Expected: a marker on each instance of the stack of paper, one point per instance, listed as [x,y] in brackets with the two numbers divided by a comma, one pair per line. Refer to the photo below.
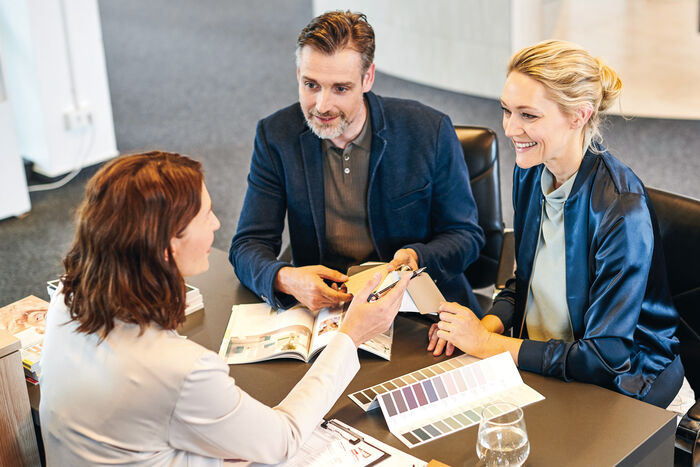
[193,298]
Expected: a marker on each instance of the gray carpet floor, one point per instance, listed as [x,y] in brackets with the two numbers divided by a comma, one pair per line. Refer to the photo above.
[195,77]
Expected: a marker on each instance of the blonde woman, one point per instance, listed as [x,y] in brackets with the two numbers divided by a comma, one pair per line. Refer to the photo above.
[589,301]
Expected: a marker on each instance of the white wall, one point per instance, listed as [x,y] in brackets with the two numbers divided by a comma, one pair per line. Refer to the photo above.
[465,45]
[14,198]
[460,45]
[55,64]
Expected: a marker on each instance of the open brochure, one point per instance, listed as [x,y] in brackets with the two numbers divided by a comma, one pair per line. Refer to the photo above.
[257,332]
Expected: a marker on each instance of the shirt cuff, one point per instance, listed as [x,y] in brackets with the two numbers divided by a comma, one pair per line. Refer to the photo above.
[275,298]
[345,345]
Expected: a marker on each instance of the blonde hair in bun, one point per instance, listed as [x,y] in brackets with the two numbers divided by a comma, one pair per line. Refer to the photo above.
[572,77]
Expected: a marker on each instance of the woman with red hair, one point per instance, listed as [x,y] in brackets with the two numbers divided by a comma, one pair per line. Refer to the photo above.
[119,385]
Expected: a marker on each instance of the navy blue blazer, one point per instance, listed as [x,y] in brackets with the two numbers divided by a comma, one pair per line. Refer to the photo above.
[419,197]
[616,288]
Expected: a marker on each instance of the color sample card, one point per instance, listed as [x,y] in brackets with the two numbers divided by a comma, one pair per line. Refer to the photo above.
[367,398]
[445,403]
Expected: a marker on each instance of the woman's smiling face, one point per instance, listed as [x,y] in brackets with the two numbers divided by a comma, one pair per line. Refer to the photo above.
[539,130]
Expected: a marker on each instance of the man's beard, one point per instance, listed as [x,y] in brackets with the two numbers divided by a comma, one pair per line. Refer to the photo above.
[327,131]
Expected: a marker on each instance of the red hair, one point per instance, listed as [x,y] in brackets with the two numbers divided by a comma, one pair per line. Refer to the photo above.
[118,267]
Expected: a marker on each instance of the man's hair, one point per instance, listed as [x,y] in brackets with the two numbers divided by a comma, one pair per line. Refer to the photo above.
[335,30]
[121,266]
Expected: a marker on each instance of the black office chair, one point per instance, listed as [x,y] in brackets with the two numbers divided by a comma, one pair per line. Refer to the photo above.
[679,224]
[495,263]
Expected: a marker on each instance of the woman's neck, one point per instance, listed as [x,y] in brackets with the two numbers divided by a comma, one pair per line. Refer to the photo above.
[563,168]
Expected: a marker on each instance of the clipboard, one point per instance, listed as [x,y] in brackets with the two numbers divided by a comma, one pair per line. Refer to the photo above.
[357,442]
[333,443]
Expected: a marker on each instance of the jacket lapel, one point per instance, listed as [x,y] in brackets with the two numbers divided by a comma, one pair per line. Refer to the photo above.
[312,159]
[376,112]
[576,230]
[374,189]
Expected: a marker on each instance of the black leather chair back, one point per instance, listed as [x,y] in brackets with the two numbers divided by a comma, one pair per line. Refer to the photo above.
[679,223]
[481,155]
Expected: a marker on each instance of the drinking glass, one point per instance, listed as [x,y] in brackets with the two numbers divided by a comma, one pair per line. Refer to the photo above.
[502,439]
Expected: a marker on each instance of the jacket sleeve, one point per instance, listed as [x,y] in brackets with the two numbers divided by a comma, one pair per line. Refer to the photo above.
[457,237]
[213,417]
[258,239]
[620,259]
[504,304]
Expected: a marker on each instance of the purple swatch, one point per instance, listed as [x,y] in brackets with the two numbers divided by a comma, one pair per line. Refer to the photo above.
[408,394]
[389,404]
[430,390]
[400,404]
[420,395]
[440,388]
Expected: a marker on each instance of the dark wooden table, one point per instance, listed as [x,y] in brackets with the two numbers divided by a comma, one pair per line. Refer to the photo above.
[576,424]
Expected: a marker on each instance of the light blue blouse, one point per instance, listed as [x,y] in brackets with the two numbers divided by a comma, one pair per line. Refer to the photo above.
[547,313]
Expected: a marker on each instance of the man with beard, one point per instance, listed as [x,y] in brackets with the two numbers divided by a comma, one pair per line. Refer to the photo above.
[360,177]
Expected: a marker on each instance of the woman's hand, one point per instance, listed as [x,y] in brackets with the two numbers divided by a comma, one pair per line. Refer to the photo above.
[437,345]
[364,319]
[459,326]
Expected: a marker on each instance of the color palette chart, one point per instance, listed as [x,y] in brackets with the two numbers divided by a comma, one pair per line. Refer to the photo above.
[453,400]
[367,398]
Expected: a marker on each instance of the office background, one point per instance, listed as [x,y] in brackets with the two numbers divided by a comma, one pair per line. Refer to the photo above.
[195,77]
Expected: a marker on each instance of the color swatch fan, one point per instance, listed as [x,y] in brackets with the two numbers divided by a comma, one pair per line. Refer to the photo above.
[451,400]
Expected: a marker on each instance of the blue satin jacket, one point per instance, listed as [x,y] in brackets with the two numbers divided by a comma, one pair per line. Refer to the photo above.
[616,288]
[418,197]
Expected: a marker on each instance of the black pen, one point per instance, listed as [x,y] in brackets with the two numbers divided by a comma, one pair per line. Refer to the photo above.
[376,295]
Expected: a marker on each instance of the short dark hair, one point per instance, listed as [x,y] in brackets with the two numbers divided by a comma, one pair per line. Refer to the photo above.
[335,30]
[117,268]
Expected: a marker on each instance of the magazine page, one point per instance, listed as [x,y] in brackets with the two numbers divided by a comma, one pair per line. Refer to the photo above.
[381,344]
[25,319]
[257,332]
[327,324]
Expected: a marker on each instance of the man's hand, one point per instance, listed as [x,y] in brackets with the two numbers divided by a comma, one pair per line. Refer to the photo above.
[405,256]
[364,320]
[307,285]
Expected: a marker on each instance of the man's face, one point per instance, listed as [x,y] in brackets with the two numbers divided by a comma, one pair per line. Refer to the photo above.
[331,91]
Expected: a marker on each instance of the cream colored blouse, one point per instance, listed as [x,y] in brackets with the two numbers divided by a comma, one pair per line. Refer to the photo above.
[160,399]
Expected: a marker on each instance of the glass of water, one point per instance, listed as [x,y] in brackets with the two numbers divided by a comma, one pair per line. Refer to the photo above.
[502,437]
